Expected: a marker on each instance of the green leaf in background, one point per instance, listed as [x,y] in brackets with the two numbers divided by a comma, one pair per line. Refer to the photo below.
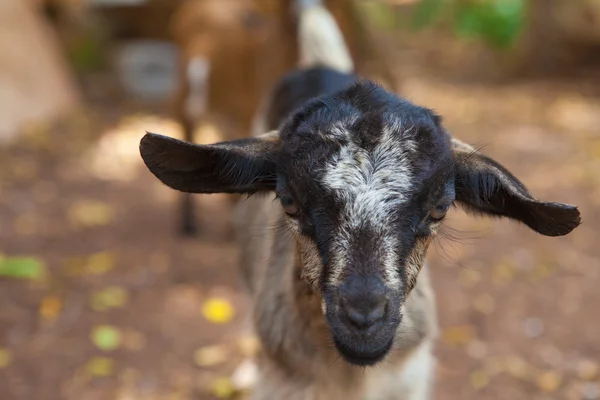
[106,337]
[469,20]
[425,12]
[382,15]
[22,267]
[499,22]
[86,53]
[505,19]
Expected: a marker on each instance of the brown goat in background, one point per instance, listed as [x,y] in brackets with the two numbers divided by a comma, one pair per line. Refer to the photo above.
[232,52]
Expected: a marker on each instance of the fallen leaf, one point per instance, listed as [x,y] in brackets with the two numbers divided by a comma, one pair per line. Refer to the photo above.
[542,271]
[518,368]
[100,366]
[210,355]
[100,263]
[459,335]
[217,310]
[5,358]
[22,267]
[479,380]
[50,307]
[549,381]
[111,297]
[106,337]
[504,272]
[90,213]
[222,388]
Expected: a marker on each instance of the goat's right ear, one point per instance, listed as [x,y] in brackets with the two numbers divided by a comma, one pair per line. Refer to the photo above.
[238,166]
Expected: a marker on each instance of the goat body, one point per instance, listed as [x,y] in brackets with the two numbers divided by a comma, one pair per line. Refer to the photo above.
[298,360]
[335,267]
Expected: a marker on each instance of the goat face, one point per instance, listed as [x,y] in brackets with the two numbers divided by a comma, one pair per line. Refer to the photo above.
[365,179]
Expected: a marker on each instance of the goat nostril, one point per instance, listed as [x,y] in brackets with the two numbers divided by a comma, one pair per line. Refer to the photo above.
[364,317]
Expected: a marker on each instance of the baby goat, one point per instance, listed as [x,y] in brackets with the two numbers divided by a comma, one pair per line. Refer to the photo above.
[363,180]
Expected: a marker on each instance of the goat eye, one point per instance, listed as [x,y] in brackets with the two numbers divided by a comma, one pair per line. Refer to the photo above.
[439,212]
[289,205]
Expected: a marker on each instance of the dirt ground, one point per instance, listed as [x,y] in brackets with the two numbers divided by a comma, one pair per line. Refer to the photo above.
[519,312]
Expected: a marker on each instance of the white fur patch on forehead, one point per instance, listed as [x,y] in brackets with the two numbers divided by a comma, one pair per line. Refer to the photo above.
[371,185]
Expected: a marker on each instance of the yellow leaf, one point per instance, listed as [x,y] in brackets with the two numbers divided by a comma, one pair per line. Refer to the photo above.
[111,297]
[542,271]
[210,355]
[222,388]
[459,335]
[50,307]
[100,366]
[549,381]
[518,368]
[100,263]
[5,358]
[217,310]
[479,380]
[89,213]
[504,272]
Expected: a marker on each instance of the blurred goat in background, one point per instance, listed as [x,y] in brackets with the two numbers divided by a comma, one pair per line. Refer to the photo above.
[232,52]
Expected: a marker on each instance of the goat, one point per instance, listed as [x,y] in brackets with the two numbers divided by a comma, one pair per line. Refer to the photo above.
[360,180]
[215,38]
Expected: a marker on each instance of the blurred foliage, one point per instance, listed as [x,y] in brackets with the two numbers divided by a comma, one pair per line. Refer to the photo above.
[21,267]
[497,22]
[85,53]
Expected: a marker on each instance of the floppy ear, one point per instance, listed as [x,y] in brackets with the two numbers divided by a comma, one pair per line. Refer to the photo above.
[485,186]
[239,166]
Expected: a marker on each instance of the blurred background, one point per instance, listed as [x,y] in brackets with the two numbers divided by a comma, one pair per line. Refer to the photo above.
[101,297]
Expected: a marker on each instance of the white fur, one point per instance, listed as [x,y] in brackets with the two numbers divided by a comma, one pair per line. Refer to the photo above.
[372,186]
[412,381]
[321,41]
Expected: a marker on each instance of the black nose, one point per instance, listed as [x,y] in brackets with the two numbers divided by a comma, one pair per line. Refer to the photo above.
[363,301]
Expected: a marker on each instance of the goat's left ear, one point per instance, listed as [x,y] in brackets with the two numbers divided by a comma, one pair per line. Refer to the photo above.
[485,186]
[238,166]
